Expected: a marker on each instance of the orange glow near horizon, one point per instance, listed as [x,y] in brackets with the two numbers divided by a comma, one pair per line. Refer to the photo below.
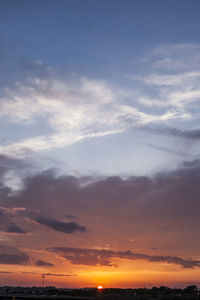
[127,275]
[106,279]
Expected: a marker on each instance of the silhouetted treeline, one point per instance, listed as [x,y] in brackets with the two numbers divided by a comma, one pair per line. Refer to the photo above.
[155,293]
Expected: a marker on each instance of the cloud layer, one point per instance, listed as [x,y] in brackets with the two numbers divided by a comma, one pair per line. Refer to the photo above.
[160,212]
[81,256]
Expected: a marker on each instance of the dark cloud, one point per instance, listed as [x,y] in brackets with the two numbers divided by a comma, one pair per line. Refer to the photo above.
[42,263]
[193,164]
[193,134]
[163,210]
[168,196]
[14,228]
[66,227]
[30,273]
[14,259]
[161,196]
[6,272]
[12,256]
[80,256]
[91,257]
[60,275]
[9,217]
[50,274]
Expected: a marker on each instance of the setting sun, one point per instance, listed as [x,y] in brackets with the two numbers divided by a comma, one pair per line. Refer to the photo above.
[99,287]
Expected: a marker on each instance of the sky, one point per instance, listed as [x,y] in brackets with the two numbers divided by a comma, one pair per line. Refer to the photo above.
[99,143]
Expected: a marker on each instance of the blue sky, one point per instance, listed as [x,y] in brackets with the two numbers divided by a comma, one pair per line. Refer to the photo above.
[93,36]
[108,53]
[99,118]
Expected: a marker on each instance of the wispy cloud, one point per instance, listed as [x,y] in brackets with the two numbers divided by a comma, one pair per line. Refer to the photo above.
[173,78]
[164,149]
[73,111]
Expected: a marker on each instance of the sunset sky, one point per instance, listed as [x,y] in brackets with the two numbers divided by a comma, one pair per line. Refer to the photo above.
[100,142]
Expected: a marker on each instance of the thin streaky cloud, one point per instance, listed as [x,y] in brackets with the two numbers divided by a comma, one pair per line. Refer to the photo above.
[164,149]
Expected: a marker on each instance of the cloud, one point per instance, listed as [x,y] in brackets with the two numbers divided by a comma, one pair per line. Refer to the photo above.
[162,209]
[161,196]
[12,173]
[66,227]
[176,57]
[6,272]
[184,139]
[7,164]
[13,259]
[42,263]
[50,274]
[36,67]
[75,109]
[14,228]
[173,79]
[81,256]
[59,275]
[164,149]
[181,145]
[192,134]
[193,164]
[12,256]
[72,110]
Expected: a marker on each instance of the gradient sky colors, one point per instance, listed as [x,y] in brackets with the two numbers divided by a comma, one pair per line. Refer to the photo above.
[99,142]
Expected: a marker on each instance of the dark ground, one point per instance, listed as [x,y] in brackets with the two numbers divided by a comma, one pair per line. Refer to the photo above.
[50,293]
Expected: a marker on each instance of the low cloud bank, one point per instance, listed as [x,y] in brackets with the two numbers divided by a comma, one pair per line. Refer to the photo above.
[81,256]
